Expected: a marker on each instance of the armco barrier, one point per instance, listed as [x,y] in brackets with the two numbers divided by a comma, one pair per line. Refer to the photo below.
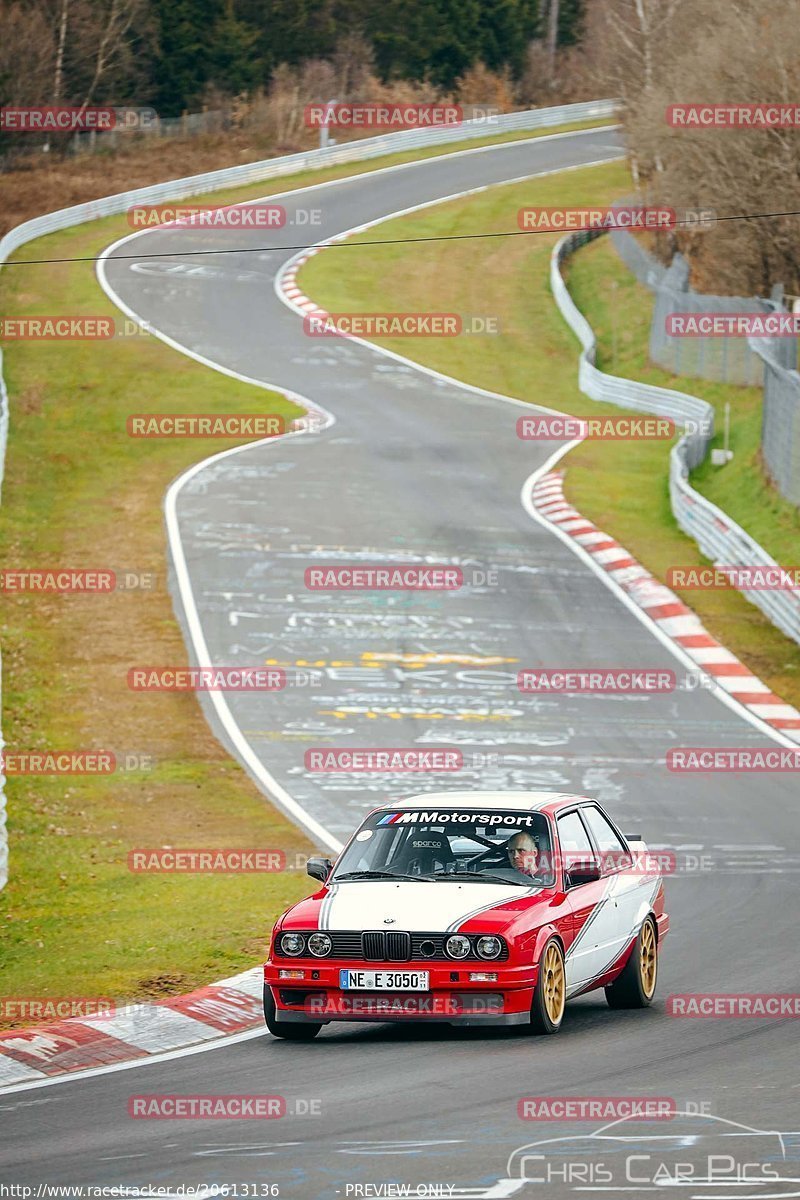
[271,168]
[719,538]
[307,160]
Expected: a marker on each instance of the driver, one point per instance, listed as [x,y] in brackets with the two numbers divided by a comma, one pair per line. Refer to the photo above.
[523,853]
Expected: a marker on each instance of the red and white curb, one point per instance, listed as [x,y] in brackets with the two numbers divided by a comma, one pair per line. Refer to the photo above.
[287,281]
[662,606]
[132,1032]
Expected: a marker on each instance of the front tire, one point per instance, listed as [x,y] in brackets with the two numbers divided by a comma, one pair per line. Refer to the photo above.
[550,993]
[291,1031]
[635,985]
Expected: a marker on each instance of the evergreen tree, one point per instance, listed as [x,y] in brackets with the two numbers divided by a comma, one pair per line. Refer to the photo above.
[233,61]
[236,44]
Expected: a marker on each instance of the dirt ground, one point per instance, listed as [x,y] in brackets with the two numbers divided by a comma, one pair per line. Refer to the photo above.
[42,183]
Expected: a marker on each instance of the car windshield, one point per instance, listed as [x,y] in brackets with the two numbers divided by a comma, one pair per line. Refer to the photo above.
[456,845]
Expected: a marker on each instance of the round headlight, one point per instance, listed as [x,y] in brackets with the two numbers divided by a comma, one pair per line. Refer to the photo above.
[458,946]
[489,947]
[293,943]
[319,944]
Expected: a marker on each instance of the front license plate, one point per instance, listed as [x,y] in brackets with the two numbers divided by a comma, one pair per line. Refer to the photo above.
[384,981]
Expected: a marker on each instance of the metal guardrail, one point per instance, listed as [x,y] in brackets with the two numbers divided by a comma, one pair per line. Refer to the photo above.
[271,168]
[718,536]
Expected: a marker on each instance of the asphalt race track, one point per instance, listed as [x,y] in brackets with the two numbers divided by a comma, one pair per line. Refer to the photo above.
[417,468]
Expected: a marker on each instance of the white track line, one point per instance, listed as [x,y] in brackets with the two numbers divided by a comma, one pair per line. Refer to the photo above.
[273,789]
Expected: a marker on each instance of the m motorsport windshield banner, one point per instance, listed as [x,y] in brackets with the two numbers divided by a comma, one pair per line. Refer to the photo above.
[507,820]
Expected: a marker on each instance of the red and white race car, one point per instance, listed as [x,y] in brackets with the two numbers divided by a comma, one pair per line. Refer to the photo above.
[471,907]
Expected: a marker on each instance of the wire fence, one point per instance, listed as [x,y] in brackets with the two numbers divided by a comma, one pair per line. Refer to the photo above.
[780,421]
[212,120]
[769,362]
[720,539]
[723,359]
[272,168]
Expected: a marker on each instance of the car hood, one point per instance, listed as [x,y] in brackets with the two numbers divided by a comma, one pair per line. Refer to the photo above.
[417,907]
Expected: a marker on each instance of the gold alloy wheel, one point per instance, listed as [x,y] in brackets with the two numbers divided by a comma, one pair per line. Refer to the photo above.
[554,989]
[647,959]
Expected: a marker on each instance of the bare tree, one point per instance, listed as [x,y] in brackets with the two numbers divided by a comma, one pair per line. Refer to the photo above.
[27,53]
[552,37]
[632,42]
[99,53]
[753,55]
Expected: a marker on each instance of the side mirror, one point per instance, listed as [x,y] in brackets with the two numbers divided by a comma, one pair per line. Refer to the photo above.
[586,872]
[319,868]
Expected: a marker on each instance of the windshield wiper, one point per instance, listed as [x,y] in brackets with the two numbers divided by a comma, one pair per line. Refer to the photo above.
[378,875]
[483,876]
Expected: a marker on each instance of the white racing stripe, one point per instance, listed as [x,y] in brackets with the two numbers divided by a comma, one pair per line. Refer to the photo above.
[419,907]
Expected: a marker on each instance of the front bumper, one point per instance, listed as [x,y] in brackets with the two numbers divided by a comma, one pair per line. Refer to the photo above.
[452,996]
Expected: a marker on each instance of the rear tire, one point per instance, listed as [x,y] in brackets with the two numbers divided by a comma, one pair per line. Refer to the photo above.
[550,993]
[291,1031]
[635,985]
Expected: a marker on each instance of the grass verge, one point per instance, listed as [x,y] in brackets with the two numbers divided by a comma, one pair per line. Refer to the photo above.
[80,493]
[620,486]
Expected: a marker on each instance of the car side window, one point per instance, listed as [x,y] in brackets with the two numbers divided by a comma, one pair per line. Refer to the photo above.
[613,855]
[576,848]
